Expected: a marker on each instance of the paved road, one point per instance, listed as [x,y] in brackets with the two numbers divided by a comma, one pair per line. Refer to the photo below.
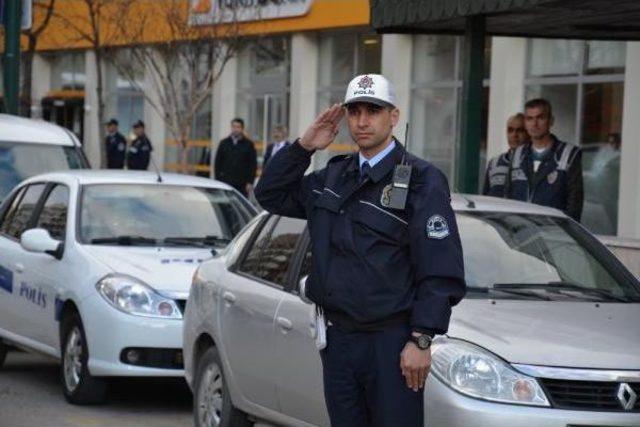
[31,396]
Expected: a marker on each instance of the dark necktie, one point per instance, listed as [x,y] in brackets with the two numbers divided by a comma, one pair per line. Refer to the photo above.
[364,171]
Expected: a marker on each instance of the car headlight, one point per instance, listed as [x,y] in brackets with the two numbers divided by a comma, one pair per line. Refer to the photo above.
[132,296]
[478,373]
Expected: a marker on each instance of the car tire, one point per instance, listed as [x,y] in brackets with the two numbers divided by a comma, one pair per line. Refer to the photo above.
[212,406]
[4,349]
[78,385]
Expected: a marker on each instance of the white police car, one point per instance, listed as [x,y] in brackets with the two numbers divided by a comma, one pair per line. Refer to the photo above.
[95,268]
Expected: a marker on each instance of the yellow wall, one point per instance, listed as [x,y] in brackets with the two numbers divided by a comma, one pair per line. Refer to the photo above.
[64,34]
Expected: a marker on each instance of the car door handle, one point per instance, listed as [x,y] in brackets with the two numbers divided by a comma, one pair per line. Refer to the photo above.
[229,297]
[284,323]
[19,267]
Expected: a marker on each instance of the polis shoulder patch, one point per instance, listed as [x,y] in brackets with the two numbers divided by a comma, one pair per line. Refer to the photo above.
[437,227]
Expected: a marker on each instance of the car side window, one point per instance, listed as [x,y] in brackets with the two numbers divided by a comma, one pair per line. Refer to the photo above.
[305,268]
[53,216]
[19,221]
[272,253]
[10,211]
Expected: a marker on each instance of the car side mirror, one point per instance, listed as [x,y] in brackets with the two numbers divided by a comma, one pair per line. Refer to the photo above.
[302,290]
[39,240]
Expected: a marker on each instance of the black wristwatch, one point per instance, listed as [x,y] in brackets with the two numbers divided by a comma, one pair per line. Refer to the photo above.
[423,341]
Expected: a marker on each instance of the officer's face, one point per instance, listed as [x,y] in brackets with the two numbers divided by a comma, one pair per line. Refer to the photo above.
[112,128]
[516,134]
[371,125]
[139,131]
[537,122]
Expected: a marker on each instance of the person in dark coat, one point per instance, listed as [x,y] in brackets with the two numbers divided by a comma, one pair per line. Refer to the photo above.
[545,170]
[116,146]
[279,141]
[139,153]
[236,160]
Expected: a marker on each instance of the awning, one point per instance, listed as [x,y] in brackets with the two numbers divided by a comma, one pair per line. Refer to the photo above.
[575,19]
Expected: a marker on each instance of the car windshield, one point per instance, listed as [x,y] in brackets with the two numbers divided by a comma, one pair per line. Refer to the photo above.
[510,255]
[19,161]
[160,215]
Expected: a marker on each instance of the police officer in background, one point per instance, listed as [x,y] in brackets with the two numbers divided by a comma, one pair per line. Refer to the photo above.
[116,146]
[498,167]
[387,260]
[545,170]
[139,153]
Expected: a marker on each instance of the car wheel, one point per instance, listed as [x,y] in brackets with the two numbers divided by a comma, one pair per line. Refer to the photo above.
[78,385]
[4,349]
[212,406]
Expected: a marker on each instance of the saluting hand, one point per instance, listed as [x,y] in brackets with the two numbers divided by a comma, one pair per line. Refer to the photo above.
[415,365]
[324,129]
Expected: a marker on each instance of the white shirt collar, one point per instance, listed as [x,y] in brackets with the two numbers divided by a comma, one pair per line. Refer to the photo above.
[378,157]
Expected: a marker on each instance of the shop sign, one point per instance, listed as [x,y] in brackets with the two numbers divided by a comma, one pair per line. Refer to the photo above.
[207,12]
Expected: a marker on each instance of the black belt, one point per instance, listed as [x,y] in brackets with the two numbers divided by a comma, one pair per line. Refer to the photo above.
[348,323]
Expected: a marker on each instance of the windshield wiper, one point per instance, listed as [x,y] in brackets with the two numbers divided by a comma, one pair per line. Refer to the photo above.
[562,286]
[215,240]
[523,293]
[125,240]
[184,241]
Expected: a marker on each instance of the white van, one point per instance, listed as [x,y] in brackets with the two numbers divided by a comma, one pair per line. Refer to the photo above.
[30,147]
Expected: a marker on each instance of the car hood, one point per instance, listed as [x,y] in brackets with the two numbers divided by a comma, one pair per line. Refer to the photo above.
[552,333]
[164,269]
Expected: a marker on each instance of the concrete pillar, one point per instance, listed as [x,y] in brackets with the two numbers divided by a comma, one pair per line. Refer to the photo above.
[91,143]
[223,108]
[304,82]
[396,66]
[508,62]
[629,199]
[40,83]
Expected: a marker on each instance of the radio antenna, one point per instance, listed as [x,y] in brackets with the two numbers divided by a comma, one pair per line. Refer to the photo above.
[406,142]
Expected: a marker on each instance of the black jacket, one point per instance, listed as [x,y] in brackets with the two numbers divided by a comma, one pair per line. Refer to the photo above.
[372,262]
[557,183]
[116,150]
[236,164]
[139,153]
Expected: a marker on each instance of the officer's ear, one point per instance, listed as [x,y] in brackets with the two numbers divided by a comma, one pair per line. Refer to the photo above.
[395,117]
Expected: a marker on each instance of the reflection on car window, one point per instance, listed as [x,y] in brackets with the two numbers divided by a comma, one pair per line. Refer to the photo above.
[53,216]
[305,269]
[10,210]
[272,252]
[17,224]
[160,213]
[533,250]
[19,161]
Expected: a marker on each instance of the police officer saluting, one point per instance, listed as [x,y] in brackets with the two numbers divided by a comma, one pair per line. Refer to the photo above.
[139,153]
[387,258]
[545,170]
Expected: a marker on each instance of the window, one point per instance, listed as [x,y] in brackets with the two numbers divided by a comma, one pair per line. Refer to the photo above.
[343,55]
[264,74]
[436,90]
[10,210]
[53,216]
[68,71]
[584,81]
[305,268]
[272,252]
[16,222]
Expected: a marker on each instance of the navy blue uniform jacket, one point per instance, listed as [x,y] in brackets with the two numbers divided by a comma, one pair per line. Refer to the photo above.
[371,262]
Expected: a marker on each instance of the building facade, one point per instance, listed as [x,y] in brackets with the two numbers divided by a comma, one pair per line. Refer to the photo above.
[300,64]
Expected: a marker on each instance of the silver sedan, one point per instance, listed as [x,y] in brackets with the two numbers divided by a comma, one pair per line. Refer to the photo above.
[547,335]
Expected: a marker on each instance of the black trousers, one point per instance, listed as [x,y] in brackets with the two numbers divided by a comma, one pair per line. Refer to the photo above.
[363,382]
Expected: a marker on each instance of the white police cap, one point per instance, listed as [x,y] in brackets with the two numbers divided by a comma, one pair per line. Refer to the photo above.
[372,89]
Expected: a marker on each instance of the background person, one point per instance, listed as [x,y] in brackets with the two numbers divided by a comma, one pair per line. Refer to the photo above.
[498,167]
[139,153]
[236,160]
[116,146]
[279,141]
[545,170]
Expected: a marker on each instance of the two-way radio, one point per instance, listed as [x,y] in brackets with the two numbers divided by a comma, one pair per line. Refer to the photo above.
[401,179]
